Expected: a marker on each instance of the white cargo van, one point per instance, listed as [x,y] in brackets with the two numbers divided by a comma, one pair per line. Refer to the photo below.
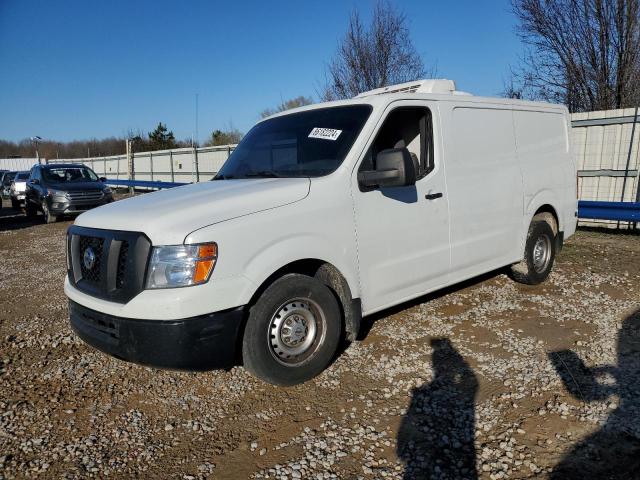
[322,215]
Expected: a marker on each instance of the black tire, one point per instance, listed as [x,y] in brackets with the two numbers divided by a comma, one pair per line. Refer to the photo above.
[48,217]
[294,308]
[539,255]
[30,210]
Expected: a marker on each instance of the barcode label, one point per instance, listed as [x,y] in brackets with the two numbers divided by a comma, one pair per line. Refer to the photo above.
[325,133]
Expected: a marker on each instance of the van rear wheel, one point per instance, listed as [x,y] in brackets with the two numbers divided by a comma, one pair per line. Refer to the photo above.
[539,255]
[293,331]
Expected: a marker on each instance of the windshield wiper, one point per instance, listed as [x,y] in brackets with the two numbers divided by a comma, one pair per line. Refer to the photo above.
[224,177]
[263,173]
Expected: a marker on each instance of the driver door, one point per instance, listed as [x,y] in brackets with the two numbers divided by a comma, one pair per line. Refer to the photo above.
[403,232]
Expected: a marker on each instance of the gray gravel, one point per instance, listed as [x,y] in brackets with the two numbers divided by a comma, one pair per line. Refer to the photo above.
[491,380]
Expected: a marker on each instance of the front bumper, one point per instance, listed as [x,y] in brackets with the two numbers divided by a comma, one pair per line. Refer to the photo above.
[63,206]
[197,343]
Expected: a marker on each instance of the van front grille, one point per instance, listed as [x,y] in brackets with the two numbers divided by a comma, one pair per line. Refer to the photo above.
[122,264]
[91,258]
[107,264]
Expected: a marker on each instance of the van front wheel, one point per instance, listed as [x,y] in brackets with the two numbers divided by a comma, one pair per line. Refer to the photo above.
[539,254]
[292,332]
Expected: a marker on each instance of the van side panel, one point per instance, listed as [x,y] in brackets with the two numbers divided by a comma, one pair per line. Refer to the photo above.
[485,190]
[547,167]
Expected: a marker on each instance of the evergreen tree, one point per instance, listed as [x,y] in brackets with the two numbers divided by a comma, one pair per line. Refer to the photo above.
[225,137]
[162,138]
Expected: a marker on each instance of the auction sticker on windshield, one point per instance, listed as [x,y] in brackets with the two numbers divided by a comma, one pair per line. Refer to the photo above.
[325,133]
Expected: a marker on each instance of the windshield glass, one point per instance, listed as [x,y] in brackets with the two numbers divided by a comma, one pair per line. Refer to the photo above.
[68,175]
[21,176]
[8,177]
[306,144]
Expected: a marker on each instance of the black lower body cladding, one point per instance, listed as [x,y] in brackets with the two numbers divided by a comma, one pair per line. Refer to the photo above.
[198,343]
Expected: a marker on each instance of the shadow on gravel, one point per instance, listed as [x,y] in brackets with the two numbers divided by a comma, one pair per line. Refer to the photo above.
[614,450]
[13,219]
[369,320]
[611,231]
[436,436]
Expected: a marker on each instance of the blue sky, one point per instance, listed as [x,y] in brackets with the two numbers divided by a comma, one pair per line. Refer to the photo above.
[82,69]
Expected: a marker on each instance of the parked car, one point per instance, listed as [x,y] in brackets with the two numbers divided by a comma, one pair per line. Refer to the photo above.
[5,183]
[64,189]
[17,189]
[322,215]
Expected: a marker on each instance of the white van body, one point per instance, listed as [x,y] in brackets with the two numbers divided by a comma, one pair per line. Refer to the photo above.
[495,164]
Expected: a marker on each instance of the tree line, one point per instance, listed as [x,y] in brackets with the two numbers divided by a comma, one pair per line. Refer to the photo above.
[583,53]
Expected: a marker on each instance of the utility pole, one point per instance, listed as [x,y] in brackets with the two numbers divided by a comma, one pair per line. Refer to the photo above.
[130,165]
[35,140]
[197,144]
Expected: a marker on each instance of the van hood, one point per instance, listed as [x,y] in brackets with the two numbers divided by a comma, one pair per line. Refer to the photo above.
[168,216]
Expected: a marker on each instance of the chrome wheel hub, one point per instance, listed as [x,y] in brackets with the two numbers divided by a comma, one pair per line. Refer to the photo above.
[541,254]
[295,331]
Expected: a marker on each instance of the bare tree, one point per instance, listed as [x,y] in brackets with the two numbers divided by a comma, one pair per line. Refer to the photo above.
[584,53]
[287,105]
[511,89]
[373,57]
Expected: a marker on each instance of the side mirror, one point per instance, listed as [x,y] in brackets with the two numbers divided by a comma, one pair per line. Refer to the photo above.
[394,168]
[103,179]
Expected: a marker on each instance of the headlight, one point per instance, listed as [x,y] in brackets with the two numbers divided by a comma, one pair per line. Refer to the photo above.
[56,193]
[181,265]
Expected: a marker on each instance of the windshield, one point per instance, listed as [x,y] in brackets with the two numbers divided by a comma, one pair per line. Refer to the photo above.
[306,144]
[8,177]
[21,176]
[68,175]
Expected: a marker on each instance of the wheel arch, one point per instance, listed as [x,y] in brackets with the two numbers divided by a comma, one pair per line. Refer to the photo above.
[330,276]
[544,201]
[545,210]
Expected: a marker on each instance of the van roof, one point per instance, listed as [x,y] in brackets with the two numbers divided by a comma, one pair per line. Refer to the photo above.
[432,89]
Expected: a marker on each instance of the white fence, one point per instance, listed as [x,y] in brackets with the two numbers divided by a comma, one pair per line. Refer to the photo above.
[606,145]
[179,165]
[17,164]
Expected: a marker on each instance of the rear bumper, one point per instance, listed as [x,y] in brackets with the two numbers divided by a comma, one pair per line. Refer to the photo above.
[197,343]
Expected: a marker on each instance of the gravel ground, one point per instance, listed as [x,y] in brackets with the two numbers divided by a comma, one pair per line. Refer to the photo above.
[490,379]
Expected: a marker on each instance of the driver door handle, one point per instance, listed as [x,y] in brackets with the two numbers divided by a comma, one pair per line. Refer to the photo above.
[433,196]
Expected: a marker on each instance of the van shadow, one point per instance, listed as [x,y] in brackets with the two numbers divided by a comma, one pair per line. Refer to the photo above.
[436,436]
[614,450]
[367,322]
[13,219]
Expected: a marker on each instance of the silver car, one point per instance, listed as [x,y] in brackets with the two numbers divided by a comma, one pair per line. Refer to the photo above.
[17,189]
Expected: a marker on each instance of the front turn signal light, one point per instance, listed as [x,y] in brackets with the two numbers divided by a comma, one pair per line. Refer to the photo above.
[207,256]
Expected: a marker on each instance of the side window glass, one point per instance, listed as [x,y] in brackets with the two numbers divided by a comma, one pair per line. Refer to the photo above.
[405,127]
